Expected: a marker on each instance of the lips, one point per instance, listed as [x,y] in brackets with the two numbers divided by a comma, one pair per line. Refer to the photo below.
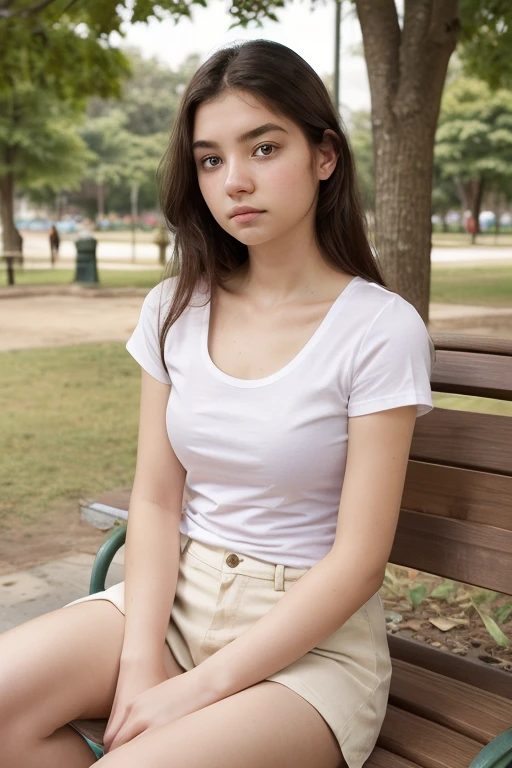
[241,217]
[240,210]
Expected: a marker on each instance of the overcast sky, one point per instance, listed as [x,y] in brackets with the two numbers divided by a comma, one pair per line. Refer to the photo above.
[309,32]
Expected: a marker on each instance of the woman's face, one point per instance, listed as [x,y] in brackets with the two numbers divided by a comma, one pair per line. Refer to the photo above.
[248,156]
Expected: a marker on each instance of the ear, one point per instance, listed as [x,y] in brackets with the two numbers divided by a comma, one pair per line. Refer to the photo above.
[327,154]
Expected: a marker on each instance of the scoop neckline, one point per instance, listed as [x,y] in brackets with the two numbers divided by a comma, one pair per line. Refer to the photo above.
[299,357]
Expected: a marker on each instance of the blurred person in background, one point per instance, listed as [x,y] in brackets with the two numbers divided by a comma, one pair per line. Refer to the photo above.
[54,244]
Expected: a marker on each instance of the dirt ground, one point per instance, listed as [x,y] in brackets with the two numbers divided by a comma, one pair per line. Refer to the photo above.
[58,320]
[452,625]
[61,318]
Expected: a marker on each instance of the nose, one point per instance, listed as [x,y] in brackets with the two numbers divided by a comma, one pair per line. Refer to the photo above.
[238,178]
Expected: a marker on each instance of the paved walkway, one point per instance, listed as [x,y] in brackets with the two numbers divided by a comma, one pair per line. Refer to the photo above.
[51,320]
[30,593]
[76,315]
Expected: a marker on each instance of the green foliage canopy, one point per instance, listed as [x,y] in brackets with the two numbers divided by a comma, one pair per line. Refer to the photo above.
[38,140]
[474,135]
[486,40]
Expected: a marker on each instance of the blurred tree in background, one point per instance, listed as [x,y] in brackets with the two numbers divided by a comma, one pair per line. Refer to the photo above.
[65,48]
[146,109]
[361,141]
[474,140]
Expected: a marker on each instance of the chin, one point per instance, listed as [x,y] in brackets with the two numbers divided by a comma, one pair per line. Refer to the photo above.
[251,238]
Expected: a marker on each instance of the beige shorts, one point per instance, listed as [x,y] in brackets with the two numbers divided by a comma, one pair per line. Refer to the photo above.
[221,593]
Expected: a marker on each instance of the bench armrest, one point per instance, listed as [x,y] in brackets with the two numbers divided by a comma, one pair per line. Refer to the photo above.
[104,558]
[497,753]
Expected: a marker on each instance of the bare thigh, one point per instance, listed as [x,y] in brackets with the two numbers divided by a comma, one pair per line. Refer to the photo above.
[264,725]
[61,666]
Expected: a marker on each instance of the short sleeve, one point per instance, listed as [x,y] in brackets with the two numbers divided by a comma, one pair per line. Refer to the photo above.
[143,344]
[394,363]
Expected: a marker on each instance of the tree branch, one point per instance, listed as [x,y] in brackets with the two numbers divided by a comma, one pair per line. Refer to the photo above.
[22,12]
[429,36]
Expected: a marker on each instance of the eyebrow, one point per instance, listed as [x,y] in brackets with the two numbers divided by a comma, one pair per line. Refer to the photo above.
[201,144]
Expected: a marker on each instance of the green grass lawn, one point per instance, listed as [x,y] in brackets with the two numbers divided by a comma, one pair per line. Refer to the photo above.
[69,426]
[463,240]
[489,285]
[109,278]
[477,284]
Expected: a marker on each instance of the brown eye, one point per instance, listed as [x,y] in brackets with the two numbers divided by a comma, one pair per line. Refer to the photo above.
[267,149]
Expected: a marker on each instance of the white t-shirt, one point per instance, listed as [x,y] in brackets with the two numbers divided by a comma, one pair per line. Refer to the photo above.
[265,458]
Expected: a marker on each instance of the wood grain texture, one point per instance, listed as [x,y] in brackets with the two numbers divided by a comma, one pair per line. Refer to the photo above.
[381,758]
[478,441]
[457,705]
[469,552]
[473,373]
[462,494]
[462,342]
[474,673]
[429,744]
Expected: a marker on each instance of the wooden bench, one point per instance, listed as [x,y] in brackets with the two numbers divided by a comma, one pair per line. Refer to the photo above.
[456,521]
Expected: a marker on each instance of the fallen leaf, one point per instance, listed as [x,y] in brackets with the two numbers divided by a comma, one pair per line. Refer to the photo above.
[415,624]
[445,624]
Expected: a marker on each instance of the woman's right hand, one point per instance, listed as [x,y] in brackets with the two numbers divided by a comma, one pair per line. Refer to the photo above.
[133,679]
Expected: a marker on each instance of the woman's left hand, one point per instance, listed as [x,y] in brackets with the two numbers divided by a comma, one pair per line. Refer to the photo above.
[162,704]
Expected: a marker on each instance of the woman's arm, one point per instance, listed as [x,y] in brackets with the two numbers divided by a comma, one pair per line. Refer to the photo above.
[336,587]
[152,551]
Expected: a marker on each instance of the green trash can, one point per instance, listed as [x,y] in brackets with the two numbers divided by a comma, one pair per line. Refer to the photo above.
[86,267]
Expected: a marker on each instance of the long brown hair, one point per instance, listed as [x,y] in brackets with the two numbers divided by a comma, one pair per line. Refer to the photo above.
[285,83]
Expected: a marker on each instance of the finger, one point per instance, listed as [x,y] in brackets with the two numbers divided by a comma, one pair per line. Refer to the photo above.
[113,726]
[110,732]
[128,731]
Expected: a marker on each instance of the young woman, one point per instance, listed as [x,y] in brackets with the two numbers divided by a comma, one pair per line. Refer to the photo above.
[281,381]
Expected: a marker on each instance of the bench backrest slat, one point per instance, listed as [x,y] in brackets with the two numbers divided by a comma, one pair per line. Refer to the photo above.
[462,494]
[456,516]
[455,549]
[479,441]
[473,373]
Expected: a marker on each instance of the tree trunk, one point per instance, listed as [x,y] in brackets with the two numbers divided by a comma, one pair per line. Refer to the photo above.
[406,69]
[11,238]
[497,215]
[477,188]
[100,199]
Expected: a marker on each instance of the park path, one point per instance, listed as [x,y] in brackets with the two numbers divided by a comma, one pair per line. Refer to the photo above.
[58,319]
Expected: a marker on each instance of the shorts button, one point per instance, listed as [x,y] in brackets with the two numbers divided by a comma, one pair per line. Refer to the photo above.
[232,561]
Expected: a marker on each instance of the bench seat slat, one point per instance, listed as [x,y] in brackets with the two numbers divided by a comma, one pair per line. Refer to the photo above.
[381,758]
[426,743]
[462,708]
